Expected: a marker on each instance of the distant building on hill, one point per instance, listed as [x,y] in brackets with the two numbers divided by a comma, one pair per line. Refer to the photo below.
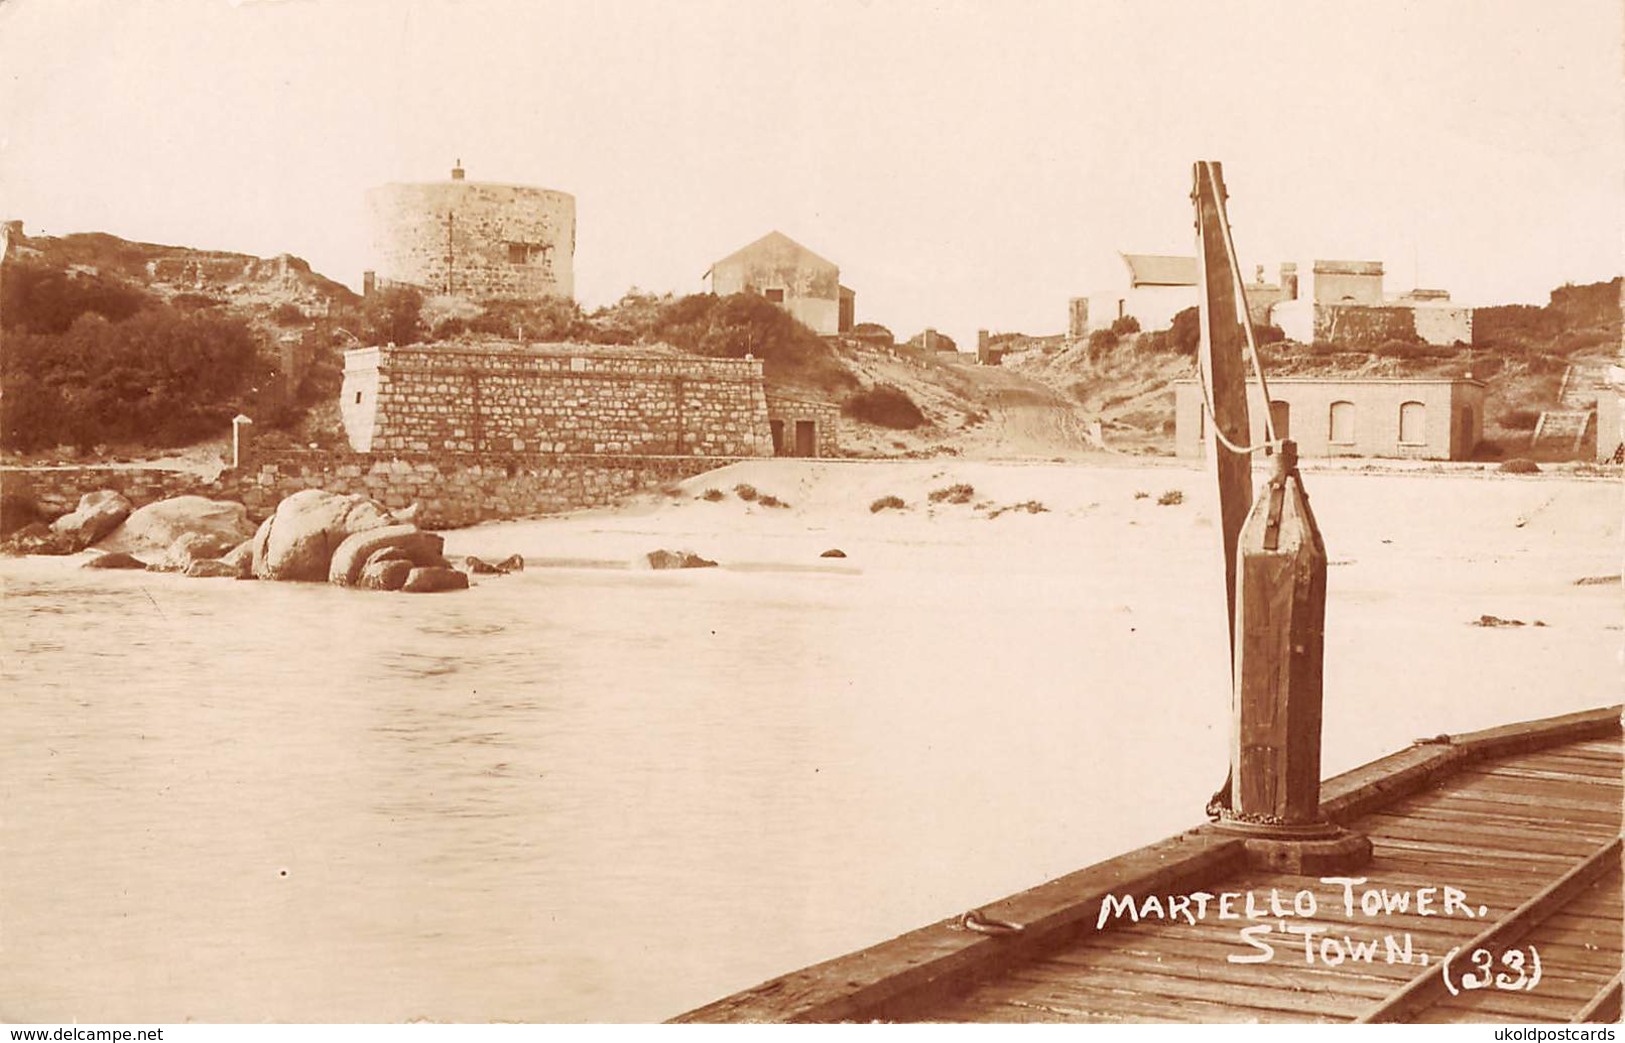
[473,239]
[790,275]
[1159,286]
[1156,288]
[1423,418]
[1347,305]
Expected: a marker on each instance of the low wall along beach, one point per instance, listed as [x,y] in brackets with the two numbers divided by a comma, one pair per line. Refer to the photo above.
[454,489]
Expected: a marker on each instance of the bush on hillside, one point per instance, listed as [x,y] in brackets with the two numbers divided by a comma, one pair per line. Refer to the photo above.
[546,320]
[884,406]
[1185,332]
[194,301]
[160,377]
[394,315]
[745,324]
[629,320]
[35,298]
[1125,325]
[1101,342]
[874,333]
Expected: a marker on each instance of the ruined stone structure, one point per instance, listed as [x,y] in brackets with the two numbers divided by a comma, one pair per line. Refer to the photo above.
[552,399]
[474,239]
[803,426]
[987,352]
[1077,318]
[1348,306]
[791,276]
[1429,419]
[1348,282]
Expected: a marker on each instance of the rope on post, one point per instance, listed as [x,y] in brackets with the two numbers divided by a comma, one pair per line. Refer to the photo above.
[1271,442]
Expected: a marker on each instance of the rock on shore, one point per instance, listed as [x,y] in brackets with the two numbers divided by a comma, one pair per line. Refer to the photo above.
[98,514]
[298,541]
[410,543]
[152,530]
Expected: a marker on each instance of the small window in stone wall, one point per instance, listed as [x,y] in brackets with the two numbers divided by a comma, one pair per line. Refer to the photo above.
[518,253]
[358,398]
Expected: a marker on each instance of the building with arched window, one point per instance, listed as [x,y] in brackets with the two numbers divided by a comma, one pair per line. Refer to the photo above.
[1421,418]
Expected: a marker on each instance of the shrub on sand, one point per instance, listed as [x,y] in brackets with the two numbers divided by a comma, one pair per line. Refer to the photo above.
[960,492]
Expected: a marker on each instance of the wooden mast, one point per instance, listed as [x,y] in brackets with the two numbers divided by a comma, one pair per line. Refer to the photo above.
[1224,374]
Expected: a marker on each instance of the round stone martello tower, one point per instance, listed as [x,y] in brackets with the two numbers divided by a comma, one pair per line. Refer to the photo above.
[474,239]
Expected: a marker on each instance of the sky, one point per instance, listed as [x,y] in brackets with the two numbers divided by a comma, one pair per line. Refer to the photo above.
[967,164]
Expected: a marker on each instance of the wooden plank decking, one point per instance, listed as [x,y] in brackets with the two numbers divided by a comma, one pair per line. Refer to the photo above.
[1524,821]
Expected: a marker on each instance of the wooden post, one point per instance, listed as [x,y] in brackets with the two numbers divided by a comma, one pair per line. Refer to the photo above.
[1280,620]
[1280,615]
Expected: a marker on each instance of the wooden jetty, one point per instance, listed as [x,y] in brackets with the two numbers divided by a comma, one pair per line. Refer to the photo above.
[1467,878]
[1524,819]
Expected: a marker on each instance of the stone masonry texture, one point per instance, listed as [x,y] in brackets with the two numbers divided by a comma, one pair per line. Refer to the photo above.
[453,489]
[549,400]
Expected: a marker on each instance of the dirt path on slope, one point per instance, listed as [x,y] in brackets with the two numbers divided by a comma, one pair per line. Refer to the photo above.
[1026,420]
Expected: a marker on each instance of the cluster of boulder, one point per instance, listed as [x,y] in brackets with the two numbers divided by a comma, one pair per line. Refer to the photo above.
[312,536]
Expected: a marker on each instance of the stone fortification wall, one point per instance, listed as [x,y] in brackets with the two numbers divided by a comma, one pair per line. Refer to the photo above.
[544,401]
[1362,327]
[454,490]
[1370,328]
[57,489]
[474,239]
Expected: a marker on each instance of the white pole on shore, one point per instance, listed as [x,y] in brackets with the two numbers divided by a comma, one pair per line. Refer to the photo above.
[237,423]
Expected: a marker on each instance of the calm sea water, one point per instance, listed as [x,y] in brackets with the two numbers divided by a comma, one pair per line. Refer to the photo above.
[589,794]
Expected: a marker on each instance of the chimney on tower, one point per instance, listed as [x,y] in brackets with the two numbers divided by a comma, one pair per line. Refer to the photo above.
[457,171]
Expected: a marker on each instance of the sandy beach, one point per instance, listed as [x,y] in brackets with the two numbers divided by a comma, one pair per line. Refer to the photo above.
[1416,556]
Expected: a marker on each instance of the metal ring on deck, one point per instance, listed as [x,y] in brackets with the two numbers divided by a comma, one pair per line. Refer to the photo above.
[976,921]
